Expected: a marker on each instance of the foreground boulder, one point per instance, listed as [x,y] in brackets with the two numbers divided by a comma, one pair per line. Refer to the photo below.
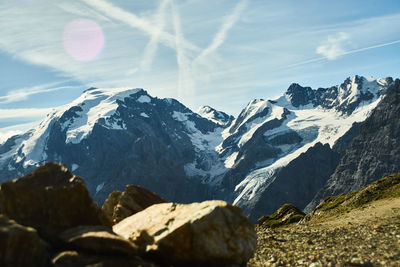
[98,239]
[121,205]
[50,200]
[285,215]
[20,245]
[211,232]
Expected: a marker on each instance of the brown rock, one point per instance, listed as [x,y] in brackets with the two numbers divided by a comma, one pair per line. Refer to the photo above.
[50,200]
[98,239]
[78,259]
[120,205]
[20,245]
[211,232]
[110,203]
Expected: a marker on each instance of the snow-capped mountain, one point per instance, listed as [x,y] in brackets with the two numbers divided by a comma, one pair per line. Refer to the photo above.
[219,117]
[373,153]
[114,137]
[270,134]
[275,151]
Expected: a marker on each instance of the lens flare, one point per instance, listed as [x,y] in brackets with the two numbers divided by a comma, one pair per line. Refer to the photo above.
[83,39]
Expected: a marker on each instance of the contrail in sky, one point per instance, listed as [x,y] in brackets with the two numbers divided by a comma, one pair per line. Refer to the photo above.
[342,54]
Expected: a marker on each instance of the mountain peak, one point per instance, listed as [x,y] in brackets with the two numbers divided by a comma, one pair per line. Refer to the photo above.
[344,98]
[300,96]
[218,117]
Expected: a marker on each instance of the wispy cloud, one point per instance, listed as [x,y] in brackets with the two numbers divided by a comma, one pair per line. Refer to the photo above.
[10,131]
[334,47]
[222,33]
[24,113]
[24,93]
[136,22]
[34,115]
[4,134]
[151,48]
[185,81]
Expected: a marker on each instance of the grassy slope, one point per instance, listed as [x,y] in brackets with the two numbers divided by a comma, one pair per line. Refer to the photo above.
[361,228]
[388,187]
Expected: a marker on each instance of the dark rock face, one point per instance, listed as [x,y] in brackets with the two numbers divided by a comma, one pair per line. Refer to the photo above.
[296,183]
[372,154]
[21,245]
[120,205]
[300,96]
[51,200]
[336,97]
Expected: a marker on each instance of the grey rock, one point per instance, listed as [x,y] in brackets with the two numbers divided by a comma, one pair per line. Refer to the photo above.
[211,232]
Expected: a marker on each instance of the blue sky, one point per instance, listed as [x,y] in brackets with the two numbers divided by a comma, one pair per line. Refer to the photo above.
[219,53]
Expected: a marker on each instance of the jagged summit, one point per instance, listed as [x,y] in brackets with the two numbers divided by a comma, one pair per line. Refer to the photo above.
[216,116]
[344,98]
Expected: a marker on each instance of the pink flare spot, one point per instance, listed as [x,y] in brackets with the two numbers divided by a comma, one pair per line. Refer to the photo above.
[83,39]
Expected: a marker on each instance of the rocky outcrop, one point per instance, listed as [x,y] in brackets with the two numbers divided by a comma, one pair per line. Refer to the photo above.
[20,245]
[121,205]
[285,215]
[50,200]
[373,153]
[211,232]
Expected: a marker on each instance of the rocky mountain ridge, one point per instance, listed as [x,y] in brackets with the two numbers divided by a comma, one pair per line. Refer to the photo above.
[115,137]
[373,152]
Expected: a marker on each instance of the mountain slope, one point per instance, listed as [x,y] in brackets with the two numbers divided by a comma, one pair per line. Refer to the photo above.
[360,228]
[374,152]
[269,135]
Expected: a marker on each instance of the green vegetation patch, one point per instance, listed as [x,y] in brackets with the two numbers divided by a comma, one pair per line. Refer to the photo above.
[287,214]
[387,187]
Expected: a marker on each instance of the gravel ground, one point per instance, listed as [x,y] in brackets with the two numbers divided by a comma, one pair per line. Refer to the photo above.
[372,242]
